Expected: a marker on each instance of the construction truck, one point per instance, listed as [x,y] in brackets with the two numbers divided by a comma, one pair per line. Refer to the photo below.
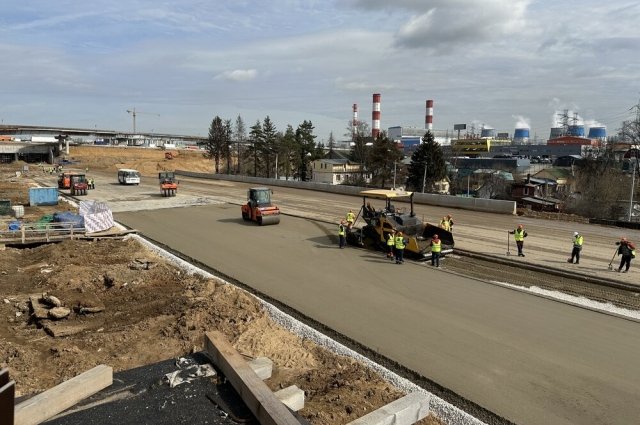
[259,207]
[76,183]
[378,224]
[168,183]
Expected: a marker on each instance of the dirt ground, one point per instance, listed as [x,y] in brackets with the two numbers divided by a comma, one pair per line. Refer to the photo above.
[147,161]
[127,307]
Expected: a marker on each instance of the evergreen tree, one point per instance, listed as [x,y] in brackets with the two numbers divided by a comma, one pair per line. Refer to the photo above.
[289,151]
[427,165]
[269,146]
[306,148]
[255,145]
[217,143]
[383,158]
[227,146]
[360,148]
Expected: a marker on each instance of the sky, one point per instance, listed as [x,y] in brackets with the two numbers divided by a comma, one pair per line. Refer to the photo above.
[503,64]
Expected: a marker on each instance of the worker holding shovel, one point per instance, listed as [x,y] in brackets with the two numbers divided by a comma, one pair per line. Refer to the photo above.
[628,251]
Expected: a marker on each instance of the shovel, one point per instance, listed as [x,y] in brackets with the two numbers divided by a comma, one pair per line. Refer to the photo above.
[611,262]
[509,244]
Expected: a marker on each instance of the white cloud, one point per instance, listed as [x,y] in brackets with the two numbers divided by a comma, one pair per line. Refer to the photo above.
[238,75]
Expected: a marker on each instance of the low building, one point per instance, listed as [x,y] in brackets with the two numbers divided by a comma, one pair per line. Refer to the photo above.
[536,194]
[337,171]
[562,178]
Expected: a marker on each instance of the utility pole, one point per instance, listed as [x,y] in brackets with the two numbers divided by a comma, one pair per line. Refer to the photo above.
[633,184]
[424,177]
[394,175]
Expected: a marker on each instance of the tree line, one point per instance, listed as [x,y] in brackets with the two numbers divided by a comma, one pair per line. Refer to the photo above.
[263,151]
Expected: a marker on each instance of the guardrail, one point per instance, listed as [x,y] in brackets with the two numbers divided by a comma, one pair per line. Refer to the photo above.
[41,232]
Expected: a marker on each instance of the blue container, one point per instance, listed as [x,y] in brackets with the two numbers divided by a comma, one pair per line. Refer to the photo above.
[521,133]
[576,130]
[43,196]
[597,133]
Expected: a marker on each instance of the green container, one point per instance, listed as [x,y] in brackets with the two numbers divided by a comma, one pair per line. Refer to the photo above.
[43,221]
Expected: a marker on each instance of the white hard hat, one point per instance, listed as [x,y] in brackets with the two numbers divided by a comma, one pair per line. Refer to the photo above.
[575,233]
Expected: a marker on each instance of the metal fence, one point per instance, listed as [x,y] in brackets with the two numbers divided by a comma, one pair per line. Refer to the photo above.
[41,232]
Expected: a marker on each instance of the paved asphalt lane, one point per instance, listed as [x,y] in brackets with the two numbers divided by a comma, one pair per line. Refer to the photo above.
[529,359]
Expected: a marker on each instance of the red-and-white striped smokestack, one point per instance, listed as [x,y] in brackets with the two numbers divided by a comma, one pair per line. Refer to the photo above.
[354,126]
[428,119]
[375,116]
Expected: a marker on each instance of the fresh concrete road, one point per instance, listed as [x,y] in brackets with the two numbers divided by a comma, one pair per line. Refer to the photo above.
[529,359]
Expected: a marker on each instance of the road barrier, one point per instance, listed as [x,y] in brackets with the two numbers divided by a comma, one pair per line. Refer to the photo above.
[449,201]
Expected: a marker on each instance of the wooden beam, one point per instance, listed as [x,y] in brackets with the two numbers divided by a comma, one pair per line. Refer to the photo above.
[256,395]
[46,405]
[7,397]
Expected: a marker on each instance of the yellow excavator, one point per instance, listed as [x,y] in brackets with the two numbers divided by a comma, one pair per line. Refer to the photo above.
[378,223]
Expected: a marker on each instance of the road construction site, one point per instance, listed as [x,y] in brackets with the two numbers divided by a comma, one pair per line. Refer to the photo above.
[518,337]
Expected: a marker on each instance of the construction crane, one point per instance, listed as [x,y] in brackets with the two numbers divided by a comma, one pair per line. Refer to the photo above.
[133,113]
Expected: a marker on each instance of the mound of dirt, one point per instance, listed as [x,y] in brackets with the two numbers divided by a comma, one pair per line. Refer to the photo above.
[129,307]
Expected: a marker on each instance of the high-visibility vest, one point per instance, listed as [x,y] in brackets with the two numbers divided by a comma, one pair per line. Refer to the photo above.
[518,234]
[399,242]
[436,246]
[445,225]
[341,230]
[351,217]
[390,240]
[577,242]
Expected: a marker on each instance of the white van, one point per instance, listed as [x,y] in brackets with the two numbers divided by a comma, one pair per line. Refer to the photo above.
[128,176]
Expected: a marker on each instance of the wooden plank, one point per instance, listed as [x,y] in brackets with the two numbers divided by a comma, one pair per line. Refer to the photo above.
[7,397]
[257,396]
[46,405]
[7,400]
[4,377]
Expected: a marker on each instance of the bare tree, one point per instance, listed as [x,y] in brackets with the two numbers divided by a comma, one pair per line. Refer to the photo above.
[240,134]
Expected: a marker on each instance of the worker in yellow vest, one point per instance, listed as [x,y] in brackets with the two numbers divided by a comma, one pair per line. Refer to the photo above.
[391,243]
[400,244]
[519,234]
[577,247]
[444,224]
[436,249]
[342,232]
[351,218]
[447,223]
